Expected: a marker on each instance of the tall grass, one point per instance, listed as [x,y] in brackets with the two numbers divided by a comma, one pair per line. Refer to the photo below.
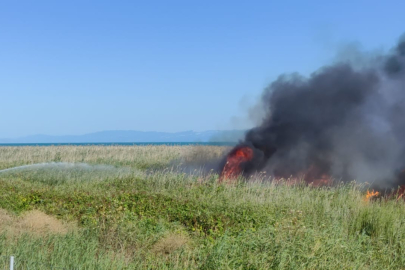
[143,157]
[171,220]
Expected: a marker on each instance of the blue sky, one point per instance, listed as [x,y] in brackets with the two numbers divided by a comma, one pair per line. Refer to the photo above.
[74,67]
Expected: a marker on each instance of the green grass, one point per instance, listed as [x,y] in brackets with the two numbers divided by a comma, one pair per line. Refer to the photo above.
[129,218]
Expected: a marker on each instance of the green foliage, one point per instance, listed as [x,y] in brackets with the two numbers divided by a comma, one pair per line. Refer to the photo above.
[122,212]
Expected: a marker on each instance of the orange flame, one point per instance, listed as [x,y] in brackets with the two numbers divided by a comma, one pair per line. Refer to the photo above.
[371,194]
[316,177]
[232,167]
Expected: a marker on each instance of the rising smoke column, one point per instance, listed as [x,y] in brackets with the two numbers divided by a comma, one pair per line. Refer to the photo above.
[343,121]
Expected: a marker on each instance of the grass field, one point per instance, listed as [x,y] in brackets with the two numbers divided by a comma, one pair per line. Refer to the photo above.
[128,207]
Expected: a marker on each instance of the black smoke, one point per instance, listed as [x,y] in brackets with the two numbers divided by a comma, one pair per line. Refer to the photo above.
[347,121]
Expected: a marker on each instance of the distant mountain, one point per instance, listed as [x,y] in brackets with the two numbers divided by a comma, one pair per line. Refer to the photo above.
[128,136]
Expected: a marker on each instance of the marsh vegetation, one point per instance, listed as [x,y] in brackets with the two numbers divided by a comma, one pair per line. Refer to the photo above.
[128,207]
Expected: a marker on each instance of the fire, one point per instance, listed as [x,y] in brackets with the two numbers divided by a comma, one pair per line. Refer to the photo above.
[395,194]
[316,177]
[232,168]
[240,160]
[313,176]
[371,194]
[241,154]
[323,180]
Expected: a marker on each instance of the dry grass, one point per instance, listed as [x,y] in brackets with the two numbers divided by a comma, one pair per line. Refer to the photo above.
[35,223]
[5,219]
[133,156]
[203,153]
[170,243]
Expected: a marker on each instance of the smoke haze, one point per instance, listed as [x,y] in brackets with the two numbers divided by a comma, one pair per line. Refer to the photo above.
[346,120]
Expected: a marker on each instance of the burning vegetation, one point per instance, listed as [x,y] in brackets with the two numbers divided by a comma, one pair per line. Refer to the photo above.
[234,162]
[371,194]
[345,121]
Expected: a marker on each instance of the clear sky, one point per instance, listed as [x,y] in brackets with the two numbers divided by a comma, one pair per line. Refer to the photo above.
[74,67]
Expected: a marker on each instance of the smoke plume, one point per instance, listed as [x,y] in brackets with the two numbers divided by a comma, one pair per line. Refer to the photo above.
[343,120]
